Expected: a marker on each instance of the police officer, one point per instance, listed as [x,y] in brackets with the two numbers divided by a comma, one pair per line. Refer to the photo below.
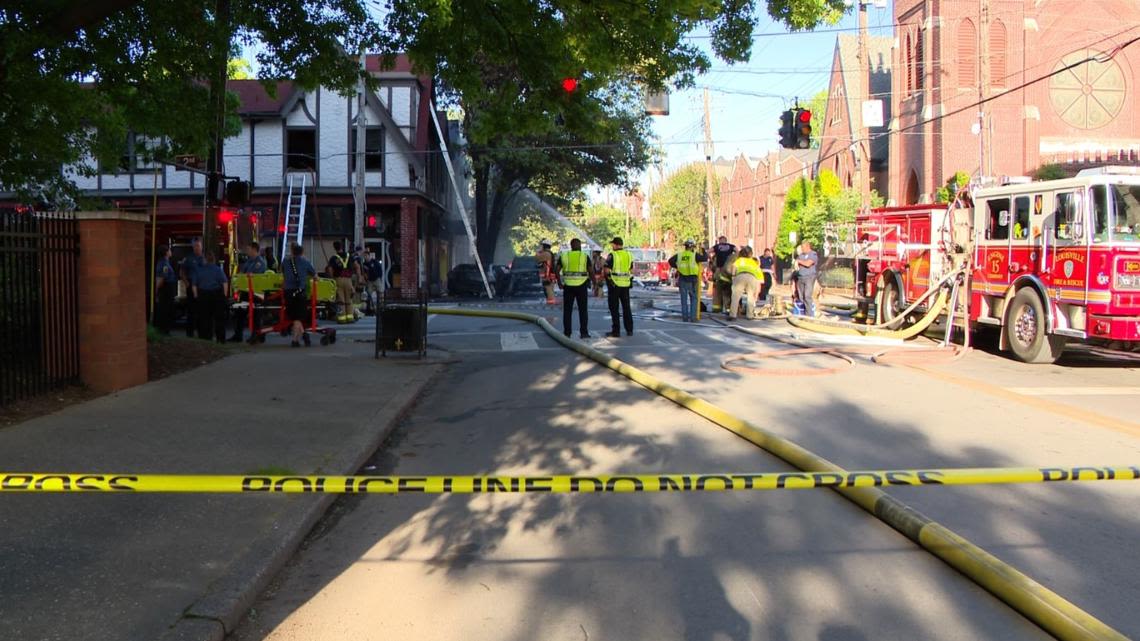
[298,275]
[165,287]
[340,268]
[254,263]
[619,279]
[576,271]
[211,290]
[373,272]
[187,272]
[688,264]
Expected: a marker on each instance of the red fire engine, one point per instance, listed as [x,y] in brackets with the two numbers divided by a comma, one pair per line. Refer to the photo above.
[1051,262]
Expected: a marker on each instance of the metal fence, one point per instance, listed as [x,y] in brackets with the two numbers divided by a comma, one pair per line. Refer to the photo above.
[39,306]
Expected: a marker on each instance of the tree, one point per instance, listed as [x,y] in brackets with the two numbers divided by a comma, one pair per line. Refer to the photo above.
[810,205]
[678,205]
[818,107]
[532,227]
[1050,171]
[603,222]
[150,66]
[953,185]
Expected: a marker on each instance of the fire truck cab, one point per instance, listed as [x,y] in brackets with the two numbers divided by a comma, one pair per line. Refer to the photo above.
[1052,261]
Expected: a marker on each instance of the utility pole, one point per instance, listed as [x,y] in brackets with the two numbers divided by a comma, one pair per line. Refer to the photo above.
[710,209]
[984,168]
[358,187]
[864,144]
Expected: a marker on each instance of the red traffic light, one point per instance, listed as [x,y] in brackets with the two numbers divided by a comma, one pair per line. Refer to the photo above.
[226,217]
[569,85]
[371,221]
[805,115]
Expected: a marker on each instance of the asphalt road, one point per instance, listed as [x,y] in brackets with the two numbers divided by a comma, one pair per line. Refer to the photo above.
[793,565]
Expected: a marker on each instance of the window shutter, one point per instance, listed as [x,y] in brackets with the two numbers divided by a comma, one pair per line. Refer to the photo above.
[967,54]
[998,54]
[919,70]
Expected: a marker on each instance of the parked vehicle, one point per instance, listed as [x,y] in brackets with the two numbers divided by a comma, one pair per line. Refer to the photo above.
[465,280]
[650,266]
[522,279]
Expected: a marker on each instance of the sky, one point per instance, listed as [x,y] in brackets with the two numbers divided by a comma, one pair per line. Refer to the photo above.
[746,99]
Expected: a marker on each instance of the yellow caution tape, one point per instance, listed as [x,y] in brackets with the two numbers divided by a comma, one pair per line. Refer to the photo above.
[560,484]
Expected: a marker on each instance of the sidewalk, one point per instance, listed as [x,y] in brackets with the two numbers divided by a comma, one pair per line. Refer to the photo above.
[170,566]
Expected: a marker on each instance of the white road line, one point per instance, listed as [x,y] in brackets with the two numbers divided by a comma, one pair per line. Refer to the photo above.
[1075,391]
[732,338]
[517,341]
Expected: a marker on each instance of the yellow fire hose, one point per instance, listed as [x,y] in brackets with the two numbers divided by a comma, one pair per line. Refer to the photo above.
[1032,600]
[846,328]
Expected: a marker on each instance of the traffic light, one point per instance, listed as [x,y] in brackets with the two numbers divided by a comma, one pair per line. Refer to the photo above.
[787,130]
[802,136]
[569,84]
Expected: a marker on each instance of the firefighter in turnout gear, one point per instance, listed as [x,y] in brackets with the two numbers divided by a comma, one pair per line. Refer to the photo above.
[340,268]
[575,269]
[745,283]
[546,270]
[619,277]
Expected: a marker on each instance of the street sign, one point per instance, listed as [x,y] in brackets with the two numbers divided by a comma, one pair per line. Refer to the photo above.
[184,162]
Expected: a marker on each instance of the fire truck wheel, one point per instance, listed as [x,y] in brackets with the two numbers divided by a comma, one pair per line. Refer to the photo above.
[1025,327]
[887,302]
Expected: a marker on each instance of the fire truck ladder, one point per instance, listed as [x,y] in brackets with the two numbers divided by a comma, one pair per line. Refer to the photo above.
[294,227]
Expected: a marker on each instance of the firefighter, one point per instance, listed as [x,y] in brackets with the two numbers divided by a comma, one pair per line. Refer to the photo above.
[746,281]
[599,264]
[619,276]
[340,268]
[722,286]
[187,271]
[546,269]
[688,263]
[211,290]
[576,270]
[298,275]
[806,261]
[254,263]
[165,287]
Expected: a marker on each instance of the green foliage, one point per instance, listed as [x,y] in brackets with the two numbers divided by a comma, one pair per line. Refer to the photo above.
[602,222]
[531,228]
[678,206]
[73,81]
[810,205]
[818,107]
[1051,171]
[953,184]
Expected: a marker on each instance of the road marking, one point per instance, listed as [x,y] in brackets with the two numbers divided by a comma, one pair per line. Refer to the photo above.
[731,339]
[1075,391]
[517,341]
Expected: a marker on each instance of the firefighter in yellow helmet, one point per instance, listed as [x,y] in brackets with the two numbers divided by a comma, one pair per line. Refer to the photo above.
[688,263]
[746,281]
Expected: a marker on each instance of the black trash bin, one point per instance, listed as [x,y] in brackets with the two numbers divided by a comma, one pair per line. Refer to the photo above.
[401,325]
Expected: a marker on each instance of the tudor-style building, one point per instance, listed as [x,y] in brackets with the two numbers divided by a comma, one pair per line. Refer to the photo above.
[292,132]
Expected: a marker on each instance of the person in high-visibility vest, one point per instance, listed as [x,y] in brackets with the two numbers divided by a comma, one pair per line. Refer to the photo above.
[619,276]
[746,281]
[576,270]
[688,263]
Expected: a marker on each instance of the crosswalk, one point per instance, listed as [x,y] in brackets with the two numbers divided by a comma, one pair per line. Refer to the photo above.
[526,341]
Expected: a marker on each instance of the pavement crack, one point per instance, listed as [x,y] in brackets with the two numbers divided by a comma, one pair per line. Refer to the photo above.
[583,629]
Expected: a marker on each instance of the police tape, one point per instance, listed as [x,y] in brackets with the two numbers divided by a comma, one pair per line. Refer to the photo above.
[560,484]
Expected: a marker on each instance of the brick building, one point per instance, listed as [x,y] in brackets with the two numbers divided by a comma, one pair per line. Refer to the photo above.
[1086,115]
[843,120]
[752,195]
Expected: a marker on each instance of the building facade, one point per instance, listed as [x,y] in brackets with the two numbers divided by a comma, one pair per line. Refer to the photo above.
[751,199]
[949,55]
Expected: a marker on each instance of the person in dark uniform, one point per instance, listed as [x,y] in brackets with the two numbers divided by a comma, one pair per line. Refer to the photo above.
[299,274]
[165,287]
[211,290]
[187,272]
[270,261]
[253,264]
[619,275]
[576,270]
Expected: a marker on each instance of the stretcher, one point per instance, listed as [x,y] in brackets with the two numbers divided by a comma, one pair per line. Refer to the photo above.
[264,293]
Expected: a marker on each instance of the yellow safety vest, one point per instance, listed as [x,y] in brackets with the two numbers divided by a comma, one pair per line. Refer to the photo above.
[622,272]
[748,266]
[574,268]
[687,263]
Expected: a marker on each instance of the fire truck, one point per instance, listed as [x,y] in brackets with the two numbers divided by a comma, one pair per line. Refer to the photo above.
[1047,263]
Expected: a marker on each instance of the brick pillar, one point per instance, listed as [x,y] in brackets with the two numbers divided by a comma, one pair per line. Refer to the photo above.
[112,300]
[409,248]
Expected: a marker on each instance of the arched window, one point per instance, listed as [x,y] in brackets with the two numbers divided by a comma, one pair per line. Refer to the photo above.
[998,54]
[911,197]
[919,68]
[967,61]
[908,76]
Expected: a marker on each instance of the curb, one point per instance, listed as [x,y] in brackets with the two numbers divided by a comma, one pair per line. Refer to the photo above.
[225,602]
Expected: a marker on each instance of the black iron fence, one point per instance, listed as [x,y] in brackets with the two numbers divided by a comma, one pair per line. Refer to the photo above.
[39,306]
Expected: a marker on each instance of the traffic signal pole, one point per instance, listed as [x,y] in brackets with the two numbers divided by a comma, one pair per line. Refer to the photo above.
[864,143]
[710,209]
